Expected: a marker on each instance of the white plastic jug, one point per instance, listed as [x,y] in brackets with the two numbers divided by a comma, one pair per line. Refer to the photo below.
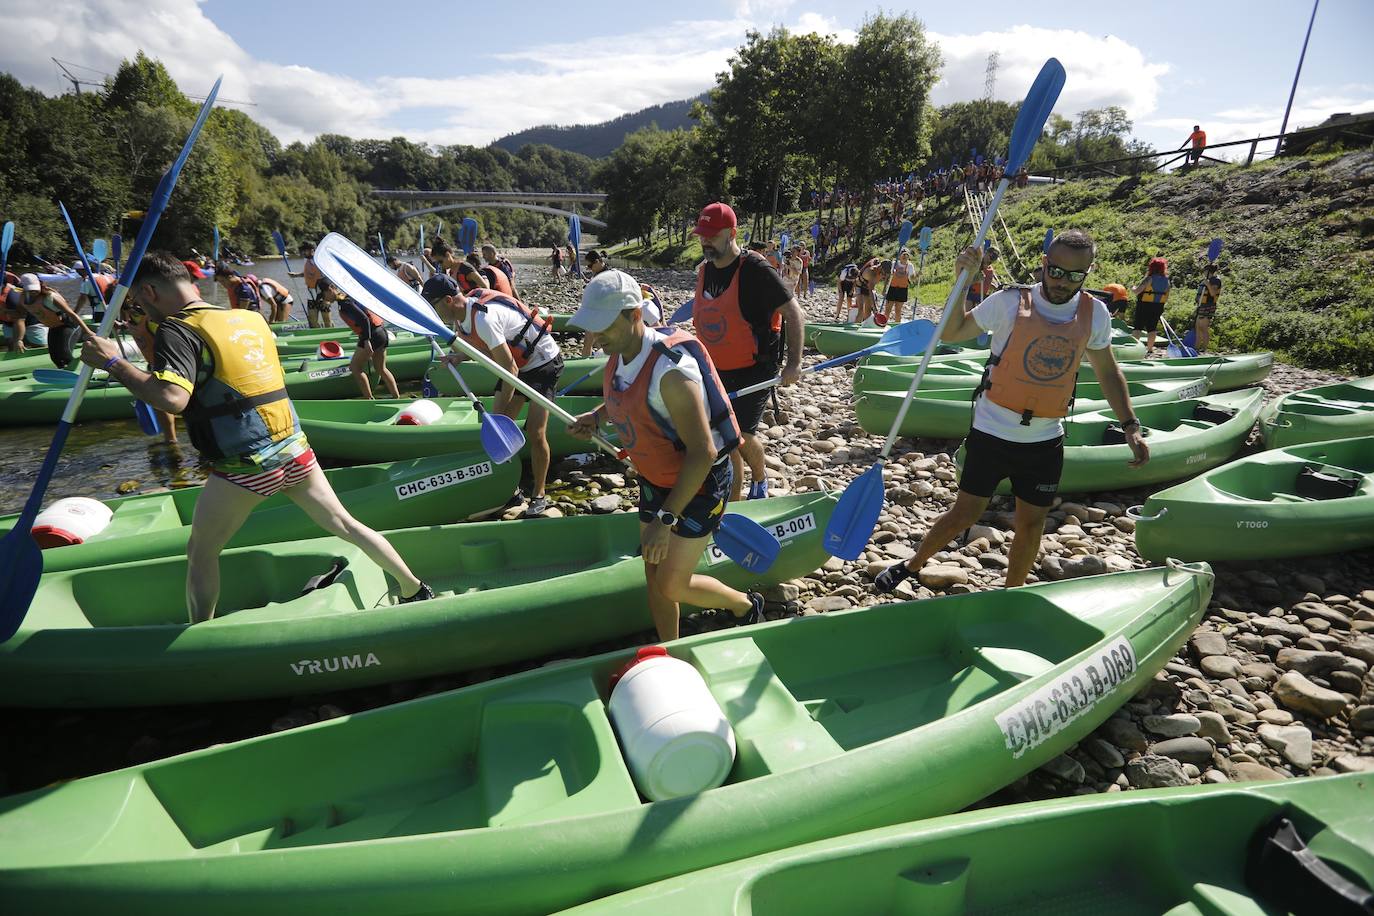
[421,412]
[70,521]
[676,739]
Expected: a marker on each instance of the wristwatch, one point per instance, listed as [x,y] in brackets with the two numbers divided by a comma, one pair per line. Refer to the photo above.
[667,518]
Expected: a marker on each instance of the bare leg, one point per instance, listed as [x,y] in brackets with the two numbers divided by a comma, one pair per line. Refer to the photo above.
[737,476]
[1151,344]
[1028,526]
[967,509]
[312,317]
[537,435]
[220,513]
[317,498]
[358,366]
[674,582]
[588,343]
[168,422]
[384,374]
[751,452]
[1204,333]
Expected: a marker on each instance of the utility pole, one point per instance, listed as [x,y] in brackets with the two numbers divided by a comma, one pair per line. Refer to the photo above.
[1283,129]
[990,75]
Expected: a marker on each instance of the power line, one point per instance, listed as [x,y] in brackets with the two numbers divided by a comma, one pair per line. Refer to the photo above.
[77,82]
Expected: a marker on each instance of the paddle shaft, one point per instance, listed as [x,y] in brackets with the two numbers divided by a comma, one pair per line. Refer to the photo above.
[951,304]
[5,242]
[281,250]
[828,364]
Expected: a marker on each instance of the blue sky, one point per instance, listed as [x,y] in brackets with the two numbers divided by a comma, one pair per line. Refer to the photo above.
[470,74]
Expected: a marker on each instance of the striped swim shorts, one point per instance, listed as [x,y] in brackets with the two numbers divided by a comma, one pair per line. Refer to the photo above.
[282,477]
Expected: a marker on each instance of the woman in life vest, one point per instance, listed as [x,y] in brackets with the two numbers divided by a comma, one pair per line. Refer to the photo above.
[871,275]
[315,315]
[672,415]
[372,340]
[1208,292]
[48,308]
[898,288]
[218,368]
[844,305]
[241,289]
[1151,294]
[406,271]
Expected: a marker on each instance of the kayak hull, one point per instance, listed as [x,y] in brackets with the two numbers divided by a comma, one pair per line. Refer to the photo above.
[425,491]
[947,414]
[507,591]
[367,430]
[1252,508]
[1340,411]
[1181,445]
[844,722]
[1042,858]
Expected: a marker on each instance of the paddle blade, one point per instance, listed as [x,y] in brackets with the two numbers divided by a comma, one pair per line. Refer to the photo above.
[215,252]
[784,242]
[23,563]
[1049,240]
[501,437]
[1214,250]
[366,281]
[280,242]
[856,515]
[909,338]
[747,543]
[58,378]
[100,249]
[923,240]
[904,234]
[683,313]
[1035,111]
[7,237]
[117,244]
[467,236]
[147,418]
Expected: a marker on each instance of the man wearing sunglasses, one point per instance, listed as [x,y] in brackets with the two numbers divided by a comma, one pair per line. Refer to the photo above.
[1040,334]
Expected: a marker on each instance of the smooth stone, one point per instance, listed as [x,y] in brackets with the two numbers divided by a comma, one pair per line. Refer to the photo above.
[1254,772]
[826,603]
[1293,742]
[1220,666]
[1276,716]
[1351,763]
[1104,753]
[1178,725]
[1185,750]
[1121,732]
[1207,642]
[1212,725]
[1065,768]
[1301,695]
[1310,663]
[943,576]
[1362,720]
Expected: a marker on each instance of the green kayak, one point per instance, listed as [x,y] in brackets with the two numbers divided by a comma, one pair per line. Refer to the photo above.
[1183,852]
[1185,438]
[1302,500]
[403,494]
[507,591]
[1337,411]
[312,378]
[876,374]
[366,430]
[1237,370]
[288,347]
[512,796]
[1124,344]
[946,413]
[483,381]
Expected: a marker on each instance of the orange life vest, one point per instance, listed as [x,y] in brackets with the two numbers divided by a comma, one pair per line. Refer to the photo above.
[656,452]
[1034,375]
[353,312]
[520,348]
[1199,138]
[497,279]
[721,326]
[901,275]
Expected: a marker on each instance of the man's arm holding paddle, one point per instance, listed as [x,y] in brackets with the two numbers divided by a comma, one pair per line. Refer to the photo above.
[103,353]
[961,324]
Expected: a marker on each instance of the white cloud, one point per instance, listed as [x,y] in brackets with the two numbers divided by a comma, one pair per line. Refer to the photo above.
[1310,107]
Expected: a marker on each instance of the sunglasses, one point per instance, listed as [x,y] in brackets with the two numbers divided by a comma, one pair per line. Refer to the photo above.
[1058,273]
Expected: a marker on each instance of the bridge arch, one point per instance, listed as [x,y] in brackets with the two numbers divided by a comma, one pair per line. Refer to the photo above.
[509,205]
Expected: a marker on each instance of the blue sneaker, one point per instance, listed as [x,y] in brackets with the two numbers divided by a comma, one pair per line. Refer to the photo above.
[758,490]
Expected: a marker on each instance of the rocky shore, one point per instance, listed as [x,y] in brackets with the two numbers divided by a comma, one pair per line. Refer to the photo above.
[1274,683]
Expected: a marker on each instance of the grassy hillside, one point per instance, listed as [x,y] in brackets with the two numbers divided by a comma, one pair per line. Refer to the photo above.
[1297,267]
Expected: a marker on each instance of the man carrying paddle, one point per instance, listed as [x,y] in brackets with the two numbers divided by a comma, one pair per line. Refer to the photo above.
[518,340]
[1039,336]
[669,406]
[218,368]
[741,304]
[316,315]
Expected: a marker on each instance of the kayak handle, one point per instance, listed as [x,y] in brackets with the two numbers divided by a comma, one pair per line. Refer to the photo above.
[1133,512]
[1275,424]
[1196,569]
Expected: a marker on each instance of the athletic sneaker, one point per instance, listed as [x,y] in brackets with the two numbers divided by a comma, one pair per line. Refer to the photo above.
[758,490]
[758,606]
[890,578]
[538,506]
[424,593]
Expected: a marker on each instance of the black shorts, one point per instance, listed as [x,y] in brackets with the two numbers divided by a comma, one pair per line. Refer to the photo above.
[847,287]
[1208,311]
[1118,306]
[543,379]
[1034,467]
[749,408]
[375,337]
[1147,315]
[703,512]
[897,293]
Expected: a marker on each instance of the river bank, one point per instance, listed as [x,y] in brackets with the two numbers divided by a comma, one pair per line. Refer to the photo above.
[1274,683]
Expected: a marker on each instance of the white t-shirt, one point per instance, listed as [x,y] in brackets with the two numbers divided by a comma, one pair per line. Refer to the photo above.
[273,290]
[627,372]
[500,325]
[652,314]
[996,314]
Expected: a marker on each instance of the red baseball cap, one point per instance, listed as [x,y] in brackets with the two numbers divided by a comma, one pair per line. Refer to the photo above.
[714,218]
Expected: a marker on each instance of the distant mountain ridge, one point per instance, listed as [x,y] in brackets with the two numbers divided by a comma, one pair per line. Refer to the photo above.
[598,140]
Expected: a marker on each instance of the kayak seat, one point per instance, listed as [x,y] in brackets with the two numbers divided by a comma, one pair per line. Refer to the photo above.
[1314,484]
[142,516]
[1211,414]
[550,753]
[774,732]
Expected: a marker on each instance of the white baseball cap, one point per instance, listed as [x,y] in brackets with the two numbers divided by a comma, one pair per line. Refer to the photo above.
[607,295]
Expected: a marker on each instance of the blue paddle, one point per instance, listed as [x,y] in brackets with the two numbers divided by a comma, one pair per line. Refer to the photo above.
[1049,240]
[6,240]
[424,260]
[1214,251]
[923,244]
[593,371]
[851,525]
[575,239]
[57,378]
[280,242]
[906,339]
[683,313]
[100,249]
[215,251]
[21,562]
[502,439]
[359,276]
[117,247]
[467,235]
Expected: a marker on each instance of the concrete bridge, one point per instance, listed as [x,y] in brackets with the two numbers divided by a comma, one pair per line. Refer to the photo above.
[537,201]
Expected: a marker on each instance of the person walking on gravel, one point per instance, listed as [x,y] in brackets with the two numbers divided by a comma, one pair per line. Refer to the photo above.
[1039,335]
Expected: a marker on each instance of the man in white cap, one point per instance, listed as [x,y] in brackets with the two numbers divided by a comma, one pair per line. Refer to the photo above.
[673,416]
[740,306]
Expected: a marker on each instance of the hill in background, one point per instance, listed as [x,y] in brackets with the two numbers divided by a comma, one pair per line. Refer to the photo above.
[598,140]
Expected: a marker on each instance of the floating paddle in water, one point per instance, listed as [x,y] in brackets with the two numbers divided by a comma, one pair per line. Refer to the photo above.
[906,339]
[857,512]
[683,313]
[383,292]
[6,240]
[21,562]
